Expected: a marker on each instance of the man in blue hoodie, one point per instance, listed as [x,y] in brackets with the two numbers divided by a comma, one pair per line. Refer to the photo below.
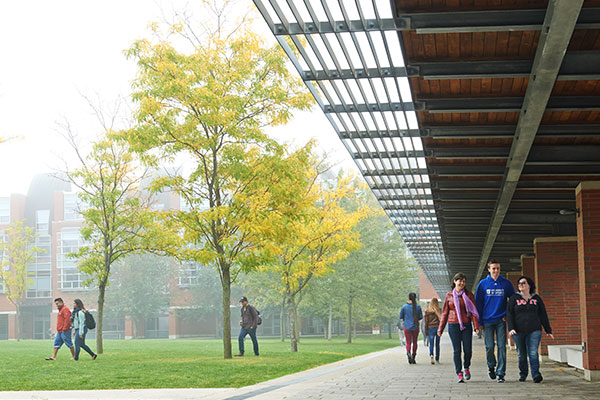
[491,299]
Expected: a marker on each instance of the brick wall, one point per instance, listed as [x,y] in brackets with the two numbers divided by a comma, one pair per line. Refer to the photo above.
[557,281]
[588,244]
[528,266]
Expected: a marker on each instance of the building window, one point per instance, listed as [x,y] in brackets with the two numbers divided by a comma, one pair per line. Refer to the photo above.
[69,240]
[40,270]
[189,274]
[72,207]
[42,221]
[4,210]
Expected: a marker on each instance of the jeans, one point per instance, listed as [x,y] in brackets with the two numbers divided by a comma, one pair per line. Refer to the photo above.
[63,337]
[498,328]
[464,338]
[434,339]
[252,333]
[80,344]
[527,345]
[412,339]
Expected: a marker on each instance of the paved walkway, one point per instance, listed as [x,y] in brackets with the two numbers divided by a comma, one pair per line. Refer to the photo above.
[381,375]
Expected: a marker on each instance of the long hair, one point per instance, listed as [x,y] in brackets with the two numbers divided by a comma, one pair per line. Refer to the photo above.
[413,297]
[434,307]
[79,304]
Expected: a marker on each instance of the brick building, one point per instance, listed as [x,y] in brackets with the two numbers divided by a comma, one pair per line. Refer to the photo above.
[50,207]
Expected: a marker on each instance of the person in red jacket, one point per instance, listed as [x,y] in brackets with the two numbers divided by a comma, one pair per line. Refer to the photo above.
[63,329]
[459,319]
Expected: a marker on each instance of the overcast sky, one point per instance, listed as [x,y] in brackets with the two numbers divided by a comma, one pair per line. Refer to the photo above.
[54,51]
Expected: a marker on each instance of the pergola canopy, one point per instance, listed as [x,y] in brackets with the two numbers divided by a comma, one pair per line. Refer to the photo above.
[471,120]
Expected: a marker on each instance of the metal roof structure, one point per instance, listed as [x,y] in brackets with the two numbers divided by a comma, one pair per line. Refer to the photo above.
[471,120]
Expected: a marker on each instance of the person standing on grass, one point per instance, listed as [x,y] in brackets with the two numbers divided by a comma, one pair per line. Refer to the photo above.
[78,324]
[525,317]
[461,315]
[411,314]
[492,297]
[432,322]
[248,325]
[63,329]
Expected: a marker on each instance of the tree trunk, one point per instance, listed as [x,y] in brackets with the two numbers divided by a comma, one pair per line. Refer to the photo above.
[101,291]
[226,284]
[217,325]
[297,319]
[349,324]
[282,321]
[18,322]
[330,322]
[389,330]
[292,317]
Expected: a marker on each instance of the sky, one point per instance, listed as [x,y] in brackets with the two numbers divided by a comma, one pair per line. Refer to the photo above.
[53,53]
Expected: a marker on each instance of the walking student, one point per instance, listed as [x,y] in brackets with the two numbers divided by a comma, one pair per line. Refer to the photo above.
[411,314]
[492,297]
[63,329]
[432,322]
[78,324]
[526,314]
[462,317]
[248,324]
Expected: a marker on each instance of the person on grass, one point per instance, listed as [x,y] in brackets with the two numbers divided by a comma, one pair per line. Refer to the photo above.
[525,316]
[492,297]
[462,317]
[63,329]
[432,322]
[248,325]
[411,314]
[78,324]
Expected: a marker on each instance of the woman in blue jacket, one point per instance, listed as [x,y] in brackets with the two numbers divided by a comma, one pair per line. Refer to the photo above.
[411,314]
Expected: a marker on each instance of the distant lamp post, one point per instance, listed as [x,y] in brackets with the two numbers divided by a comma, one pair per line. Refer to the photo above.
[569,211]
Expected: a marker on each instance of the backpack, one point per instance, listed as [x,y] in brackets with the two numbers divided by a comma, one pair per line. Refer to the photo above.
[259,318]
[90,323]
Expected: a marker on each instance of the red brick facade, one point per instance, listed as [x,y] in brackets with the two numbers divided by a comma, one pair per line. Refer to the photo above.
[528,266]
[426,290]
[557,283]
[588,246]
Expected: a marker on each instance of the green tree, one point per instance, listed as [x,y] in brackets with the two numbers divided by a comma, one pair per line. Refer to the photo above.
[139,287]
[375,277]
[211,105]
[117,218]
[16,254]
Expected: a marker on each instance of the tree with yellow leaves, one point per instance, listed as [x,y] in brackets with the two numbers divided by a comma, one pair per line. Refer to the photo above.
[211,106]
[16,253]
[322,234]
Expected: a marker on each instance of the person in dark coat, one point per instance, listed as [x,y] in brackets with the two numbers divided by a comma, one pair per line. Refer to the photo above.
[526,314]
[248,325]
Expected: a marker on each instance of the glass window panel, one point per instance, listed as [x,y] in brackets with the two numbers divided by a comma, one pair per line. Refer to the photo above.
[407,144]
[412,120]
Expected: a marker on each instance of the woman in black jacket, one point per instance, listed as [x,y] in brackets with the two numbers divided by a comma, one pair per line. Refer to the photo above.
[526,314]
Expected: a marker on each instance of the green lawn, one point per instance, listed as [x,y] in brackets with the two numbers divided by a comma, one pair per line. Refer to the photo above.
[182,363]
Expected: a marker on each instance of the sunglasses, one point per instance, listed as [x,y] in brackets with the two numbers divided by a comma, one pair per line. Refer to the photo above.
[522,283]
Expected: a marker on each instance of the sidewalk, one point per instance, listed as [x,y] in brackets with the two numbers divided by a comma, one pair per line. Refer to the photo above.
[381,375]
